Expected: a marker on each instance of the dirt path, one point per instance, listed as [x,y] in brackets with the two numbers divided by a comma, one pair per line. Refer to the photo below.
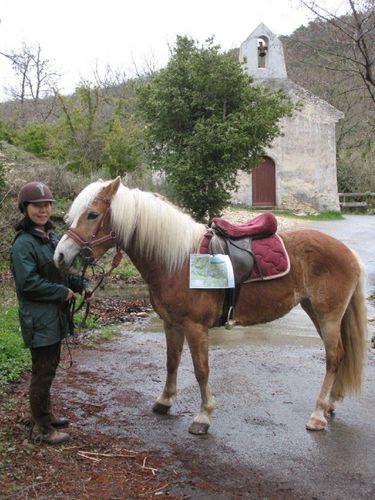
[257,446]
[107,456]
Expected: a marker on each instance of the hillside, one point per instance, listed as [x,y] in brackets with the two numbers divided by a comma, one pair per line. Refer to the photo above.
[318,60]
[18,167]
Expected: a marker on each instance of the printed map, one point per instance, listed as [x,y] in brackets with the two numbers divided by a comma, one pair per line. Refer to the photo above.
[211,271]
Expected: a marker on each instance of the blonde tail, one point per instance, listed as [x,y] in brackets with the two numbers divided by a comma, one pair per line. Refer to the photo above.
[354,338]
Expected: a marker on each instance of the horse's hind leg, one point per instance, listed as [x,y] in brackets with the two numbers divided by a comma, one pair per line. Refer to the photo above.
[175,342]
[197,337]
[331,335]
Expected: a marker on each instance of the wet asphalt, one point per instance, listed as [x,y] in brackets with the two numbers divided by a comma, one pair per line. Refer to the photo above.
[265,380]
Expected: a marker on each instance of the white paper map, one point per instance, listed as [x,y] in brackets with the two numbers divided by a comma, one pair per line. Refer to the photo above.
[211,271]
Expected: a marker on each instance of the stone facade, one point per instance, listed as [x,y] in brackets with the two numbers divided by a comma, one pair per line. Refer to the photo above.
[305,156]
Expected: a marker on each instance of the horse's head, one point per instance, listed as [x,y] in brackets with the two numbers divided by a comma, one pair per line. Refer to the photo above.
[90,233]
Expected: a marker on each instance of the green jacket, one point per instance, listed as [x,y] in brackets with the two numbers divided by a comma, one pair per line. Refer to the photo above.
[41,289]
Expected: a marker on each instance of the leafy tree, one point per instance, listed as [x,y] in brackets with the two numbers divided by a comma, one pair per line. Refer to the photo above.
[97,130]
[121,150]
[205,121]
[79,135]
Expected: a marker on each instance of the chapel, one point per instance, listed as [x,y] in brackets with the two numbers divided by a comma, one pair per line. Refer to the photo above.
[299,169]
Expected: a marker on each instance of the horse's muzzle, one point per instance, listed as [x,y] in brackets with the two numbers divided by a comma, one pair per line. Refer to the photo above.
[60,259]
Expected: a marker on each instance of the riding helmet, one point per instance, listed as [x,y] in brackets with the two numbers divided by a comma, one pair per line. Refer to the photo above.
[33,192]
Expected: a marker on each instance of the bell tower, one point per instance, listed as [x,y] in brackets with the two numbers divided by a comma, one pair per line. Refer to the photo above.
[263,55]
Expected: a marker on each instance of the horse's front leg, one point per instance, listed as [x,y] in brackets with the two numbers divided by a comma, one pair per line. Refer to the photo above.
[175,341]
[197,337]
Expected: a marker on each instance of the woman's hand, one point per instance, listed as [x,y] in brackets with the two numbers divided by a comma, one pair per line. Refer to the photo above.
[71,295]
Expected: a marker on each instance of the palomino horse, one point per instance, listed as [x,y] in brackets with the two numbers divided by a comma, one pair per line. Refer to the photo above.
[326,278]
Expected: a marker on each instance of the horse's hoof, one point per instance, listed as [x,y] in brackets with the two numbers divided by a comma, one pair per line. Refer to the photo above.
[198,429]
[161,409]
[316,424]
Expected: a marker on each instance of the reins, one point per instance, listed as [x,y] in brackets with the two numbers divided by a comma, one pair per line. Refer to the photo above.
[86,299]
[88,294]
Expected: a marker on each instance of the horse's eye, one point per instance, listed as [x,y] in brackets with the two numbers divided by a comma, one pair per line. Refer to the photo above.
[93,215]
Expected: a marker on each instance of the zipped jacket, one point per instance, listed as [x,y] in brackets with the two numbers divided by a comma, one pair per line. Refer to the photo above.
[41,289]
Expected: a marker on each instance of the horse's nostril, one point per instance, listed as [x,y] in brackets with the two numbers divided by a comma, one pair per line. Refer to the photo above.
[60,258]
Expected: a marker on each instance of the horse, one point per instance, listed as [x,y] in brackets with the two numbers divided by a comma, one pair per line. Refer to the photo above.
[326,278]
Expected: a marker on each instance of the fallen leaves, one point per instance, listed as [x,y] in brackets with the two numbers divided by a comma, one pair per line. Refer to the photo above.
[115,309]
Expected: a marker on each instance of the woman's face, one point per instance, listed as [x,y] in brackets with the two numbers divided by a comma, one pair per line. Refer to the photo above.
[39,213]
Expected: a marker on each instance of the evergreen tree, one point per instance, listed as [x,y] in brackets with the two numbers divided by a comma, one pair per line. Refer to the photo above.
[205,121]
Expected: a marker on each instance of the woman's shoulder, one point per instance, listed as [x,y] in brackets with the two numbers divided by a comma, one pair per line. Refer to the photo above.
[23,238]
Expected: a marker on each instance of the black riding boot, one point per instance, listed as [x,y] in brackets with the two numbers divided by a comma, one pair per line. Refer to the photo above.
[45,361]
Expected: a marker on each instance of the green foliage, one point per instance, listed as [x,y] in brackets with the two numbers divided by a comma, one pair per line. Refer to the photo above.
[34,137]
[96,131]
[14,358]
[121,149]
[7,133]
[77,140]
[204,122]
[107,334]
[127,270]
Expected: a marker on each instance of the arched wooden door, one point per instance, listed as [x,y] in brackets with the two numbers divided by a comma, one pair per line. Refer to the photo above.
[264,184]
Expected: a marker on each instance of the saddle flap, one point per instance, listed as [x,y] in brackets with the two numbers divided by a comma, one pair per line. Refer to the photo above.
[239,252]
[261,226]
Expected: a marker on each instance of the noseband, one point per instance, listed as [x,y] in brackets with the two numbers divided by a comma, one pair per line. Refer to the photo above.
[87,246]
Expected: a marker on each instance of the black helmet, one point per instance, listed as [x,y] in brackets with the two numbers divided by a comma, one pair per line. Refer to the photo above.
[33,192]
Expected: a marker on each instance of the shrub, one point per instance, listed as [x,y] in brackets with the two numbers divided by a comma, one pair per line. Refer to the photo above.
[34,138]
[7,133]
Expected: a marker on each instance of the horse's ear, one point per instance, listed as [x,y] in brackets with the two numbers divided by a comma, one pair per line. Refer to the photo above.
[100,180]
[110,190]
[115,185]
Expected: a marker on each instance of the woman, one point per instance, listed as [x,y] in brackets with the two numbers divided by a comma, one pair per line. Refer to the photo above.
[43,295]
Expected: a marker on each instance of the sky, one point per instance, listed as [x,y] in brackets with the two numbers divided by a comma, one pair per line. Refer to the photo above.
[78,36]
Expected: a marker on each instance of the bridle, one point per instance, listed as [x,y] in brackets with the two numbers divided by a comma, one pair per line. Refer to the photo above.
[86,253]
[87,245]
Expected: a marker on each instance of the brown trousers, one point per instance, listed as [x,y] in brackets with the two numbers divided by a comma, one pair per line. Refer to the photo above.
[45,361]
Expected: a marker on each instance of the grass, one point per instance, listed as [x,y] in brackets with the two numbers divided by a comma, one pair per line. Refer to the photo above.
[126,270]
[101,334]
[329,215]
[14,358]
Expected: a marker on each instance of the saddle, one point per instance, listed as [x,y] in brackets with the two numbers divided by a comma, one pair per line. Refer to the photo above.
[236,240]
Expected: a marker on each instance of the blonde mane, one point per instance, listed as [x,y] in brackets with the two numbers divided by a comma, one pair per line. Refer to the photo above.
[160,229]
